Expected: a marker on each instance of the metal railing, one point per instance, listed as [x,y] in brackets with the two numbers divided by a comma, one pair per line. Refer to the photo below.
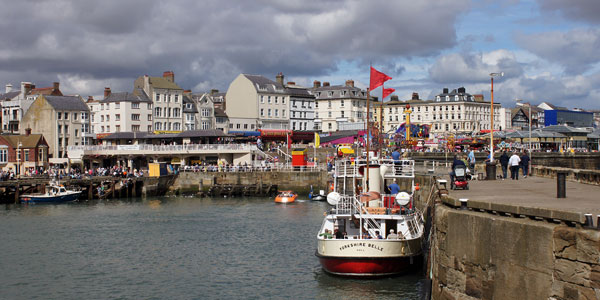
[165,148]
[391,169]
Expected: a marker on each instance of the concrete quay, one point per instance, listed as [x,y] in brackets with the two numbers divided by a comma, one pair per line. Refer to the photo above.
[532,196]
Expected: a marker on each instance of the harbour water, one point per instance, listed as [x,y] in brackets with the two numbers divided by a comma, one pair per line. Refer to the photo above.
[175,248]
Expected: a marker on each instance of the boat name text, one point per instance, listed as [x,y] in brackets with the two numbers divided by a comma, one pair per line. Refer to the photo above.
[366,245]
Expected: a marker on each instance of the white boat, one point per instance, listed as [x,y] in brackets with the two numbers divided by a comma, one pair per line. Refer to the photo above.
[55,193]
[377,234]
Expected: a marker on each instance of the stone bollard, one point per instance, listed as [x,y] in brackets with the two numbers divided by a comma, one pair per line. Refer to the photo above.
[598,222]
[561,185]
[463,203]
[589,223]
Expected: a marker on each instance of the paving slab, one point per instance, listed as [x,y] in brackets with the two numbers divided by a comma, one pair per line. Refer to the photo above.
[534,194]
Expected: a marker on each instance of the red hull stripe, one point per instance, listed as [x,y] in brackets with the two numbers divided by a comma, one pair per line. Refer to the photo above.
[368,266]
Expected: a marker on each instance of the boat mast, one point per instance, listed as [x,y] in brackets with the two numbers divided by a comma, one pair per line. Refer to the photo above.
[366,189]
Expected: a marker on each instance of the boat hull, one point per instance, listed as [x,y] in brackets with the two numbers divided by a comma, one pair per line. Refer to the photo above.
[50,199]
[369,266]
[279,199]
[371,257]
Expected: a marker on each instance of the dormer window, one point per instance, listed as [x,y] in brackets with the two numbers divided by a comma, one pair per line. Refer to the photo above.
[456,98]
[447,98]
[330,94]
[438,99]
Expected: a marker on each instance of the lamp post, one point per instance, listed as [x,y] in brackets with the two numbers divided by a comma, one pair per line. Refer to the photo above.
[492,75]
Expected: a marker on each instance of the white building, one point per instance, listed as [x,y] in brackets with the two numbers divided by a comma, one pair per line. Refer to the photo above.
[167,99]
[256,102]
[205,110]
[339,107]
[455,112]
[16,103]
[121,112]
[302,108]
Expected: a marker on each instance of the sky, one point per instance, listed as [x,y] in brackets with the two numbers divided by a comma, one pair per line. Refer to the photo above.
[549,50]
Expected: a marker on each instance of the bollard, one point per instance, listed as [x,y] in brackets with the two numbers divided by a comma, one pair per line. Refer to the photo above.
[463,203]
[561,186]
[589,223]
[598,222]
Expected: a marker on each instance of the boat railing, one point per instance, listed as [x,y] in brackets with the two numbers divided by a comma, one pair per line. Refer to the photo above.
[404,168]
[353,206]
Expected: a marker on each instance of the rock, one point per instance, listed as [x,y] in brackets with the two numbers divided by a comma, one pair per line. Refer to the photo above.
[588,246]
[473,287]
[565,239]
[572,271]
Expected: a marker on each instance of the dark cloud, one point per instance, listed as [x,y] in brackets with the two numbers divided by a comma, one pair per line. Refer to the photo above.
[576,50]
[577,10]
[207,43]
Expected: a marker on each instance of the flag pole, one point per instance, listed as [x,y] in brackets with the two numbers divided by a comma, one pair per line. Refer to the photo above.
[367,138]
[380,135]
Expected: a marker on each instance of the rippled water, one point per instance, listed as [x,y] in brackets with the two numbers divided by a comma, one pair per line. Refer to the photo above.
[174,248]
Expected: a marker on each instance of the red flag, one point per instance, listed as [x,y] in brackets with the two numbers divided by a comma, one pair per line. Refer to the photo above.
[377,79]
[387,92]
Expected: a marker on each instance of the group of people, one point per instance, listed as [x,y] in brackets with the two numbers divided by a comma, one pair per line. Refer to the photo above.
[516,162]
[339,235]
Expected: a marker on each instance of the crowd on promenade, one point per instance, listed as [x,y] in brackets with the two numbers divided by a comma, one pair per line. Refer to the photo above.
[515,161]
[73,173]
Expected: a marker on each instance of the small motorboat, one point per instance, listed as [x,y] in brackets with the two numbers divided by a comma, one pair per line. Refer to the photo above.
[286,197]
[54,194]
[317,196]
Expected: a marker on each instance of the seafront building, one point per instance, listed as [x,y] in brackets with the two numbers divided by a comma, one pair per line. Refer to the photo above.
[123,111]
[167,99]
[340,107]
[15,104]
[21,153]
[63,120]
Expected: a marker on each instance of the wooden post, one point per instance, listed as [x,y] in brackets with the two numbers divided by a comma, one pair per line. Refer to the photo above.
[114,187]
[134,192]
[17,192]
[91,191]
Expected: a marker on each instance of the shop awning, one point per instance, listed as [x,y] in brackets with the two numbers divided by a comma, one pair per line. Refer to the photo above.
[245,133]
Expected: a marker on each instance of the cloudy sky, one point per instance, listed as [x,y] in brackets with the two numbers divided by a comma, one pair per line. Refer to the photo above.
[549,50]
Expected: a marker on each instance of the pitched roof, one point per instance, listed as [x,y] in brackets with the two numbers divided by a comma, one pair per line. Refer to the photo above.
[564,129]
[128,97]
[9,95]
[220,112]
[67,103]
[187,100]
[162,83]
[27,141]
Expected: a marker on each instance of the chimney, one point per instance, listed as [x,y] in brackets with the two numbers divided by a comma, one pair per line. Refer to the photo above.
[187,91]
[279,78]
[350,83]
[316,84]
[291,83]
[394,98]
[33,86]
[415,96]
[25,88]
[8,88]
[325,83]
[27,131]
[169,75]
[55,86]
[90,98]
[462,90]
[445,91]
[214,91]
[106,92]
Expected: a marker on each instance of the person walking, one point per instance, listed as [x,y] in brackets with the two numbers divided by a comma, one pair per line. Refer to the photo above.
[471,159]
[504,163]
[514,162]
[525,164]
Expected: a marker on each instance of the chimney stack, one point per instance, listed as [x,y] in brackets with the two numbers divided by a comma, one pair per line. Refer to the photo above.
[169,75]
[25,88]
[316,84]
[56,85]
[213,92]
[394,98]
[291,83]
[106,92]
[350,83]
[27,131]
[445,91]
[8,88]
[415,96]
[326,83]
[279,78]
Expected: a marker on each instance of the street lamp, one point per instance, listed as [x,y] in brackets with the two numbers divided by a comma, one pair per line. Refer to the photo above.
[492,75]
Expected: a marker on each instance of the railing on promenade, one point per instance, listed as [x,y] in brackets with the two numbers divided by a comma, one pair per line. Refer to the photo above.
[268,167]
[165,148]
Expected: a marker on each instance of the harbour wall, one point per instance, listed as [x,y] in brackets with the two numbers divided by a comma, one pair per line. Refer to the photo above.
[491,255]
[298,181]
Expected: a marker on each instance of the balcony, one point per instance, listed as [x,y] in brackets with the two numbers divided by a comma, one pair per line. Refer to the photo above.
[191,149]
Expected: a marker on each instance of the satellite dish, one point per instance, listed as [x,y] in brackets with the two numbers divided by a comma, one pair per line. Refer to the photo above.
[402,198]
[333,198]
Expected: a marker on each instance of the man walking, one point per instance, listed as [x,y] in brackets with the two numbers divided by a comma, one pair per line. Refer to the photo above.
[471,159]
[513,162]
[504,163]
[525,164]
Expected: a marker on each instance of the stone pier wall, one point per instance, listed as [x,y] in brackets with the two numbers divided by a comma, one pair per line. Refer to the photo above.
[299,182]
[478,255]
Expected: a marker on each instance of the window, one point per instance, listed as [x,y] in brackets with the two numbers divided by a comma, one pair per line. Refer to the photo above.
[157,126]
[329,125]
[269,112]
[149,105]
[269,99]
[117,105]
[342,103]
[101,118]
[167,99]
[75,116]
[118,128]
[117,117]
[262,112]
[157,97]
[107,118]
[206,112]
[135,105]
[206,125]
[149,117]
[149,128]
[283,112]
[107,128]
[282,100]
[135,117]
[230,126]
[135,128]
[262,99]
[238,126]
[176,98]
[330,94]
[276,99]
[59,115]
[245,126]
[329,114]
[76,132]
[329,103]
[277,112]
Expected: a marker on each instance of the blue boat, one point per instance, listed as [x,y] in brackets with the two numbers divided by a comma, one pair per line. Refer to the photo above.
[54,194]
